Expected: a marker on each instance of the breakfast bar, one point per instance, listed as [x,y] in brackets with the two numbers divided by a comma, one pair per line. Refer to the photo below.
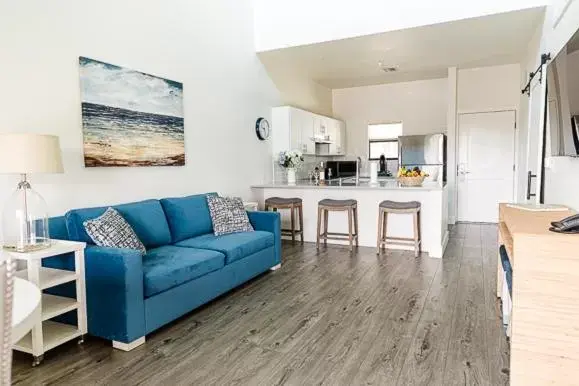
[432,196]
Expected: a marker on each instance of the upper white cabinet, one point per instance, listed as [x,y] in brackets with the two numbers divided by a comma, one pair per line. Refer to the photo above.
[296,129]
[301,131]
[338,133]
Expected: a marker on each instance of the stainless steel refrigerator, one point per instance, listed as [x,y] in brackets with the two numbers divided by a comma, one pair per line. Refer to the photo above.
[428,152]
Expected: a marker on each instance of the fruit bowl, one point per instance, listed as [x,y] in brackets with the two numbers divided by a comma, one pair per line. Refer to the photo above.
[411,181]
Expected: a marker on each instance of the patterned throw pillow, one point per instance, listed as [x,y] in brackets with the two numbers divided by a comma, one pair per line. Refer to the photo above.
[112,230]
[228,215]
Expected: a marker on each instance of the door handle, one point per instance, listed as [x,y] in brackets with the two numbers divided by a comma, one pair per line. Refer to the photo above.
[530,176]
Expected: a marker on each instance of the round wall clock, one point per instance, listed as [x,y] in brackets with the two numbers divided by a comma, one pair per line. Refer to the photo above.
[262,129]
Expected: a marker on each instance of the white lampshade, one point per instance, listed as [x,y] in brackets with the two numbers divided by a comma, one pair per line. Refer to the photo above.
[24,153]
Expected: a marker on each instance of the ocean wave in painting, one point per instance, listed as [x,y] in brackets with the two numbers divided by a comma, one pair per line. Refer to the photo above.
[121,137]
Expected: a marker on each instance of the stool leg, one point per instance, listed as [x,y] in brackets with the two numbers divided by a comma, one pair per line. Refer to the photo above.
[326,215]
[301,214]
[379,237]
[356,225]
[319,228]
[293,227]
[416,235]
[350,228]
[384,228]
[419,234]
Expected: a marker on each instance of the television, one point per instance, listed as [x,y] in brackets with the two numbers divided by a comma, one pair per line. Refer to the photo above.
[562,124]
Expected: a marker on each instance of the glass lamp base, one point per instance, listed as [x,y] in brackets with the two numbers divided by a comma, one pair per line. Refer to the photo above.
[37,246]
[25,220]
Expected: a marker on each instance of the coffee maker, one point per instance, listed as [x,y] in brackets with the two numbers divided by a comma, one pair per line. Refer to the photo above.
[382,165]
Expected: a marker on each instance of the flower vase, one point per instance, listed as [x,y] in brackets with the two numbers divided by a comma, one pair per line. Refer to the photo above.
[291,176]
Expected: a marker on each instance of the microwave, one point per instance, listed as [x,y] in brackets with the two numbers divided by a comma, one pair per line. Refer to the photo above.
[340,169]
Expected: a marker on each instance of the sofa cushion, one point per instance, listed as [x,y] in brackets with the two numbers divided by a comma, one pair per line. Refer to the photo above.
[235,246]
[228,215]
[112,230]
[147,219]
[188,216]
[169,266]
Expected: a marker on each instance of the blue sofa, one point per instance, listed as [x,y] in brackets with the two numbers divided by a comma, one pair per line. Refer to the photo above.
[186,266]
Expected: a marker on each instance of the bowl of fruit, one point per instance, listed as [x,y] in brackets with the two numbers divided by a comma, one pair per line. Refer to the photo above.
[411,177]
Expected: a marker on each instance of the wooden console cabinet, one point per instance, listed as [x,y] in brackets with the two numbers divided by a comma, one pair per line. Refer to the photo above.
[545,299]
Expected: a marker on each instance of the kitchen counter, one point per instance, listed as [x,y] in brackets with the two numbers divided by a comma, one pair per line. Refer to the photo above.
[383,184]
[432,196]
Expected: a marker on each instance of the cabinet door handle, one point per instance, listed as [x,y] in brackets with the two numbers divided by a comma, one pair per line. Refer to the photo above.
[530,176]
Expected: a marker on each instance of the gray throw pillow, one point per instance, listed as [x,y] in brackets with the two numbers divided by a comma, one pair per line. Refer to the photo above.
[228,215]
[111,230]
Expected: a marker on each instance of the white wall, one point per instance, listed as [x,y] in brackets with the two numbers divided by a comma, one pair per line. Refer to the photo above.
[561,22]
[489,88]
[207,45]
[300,92]
[282,23]
[420,105]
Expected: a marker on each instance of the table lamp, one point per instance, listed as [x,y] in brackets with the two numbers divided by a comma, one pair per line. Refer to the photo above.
[25,214]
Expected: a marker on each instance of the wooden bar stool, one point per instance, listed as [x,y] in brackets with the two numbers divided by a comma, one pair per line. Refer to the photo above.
[294,205]
[327,205]
[412,207]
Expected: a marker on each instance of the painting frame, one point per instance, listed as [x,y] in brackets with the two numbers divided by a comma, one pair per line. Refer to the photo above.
[130,118]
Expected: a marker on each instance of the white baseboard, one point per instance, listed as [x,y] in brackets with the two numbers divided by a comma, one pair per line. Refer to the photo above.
[128,346]
[275,267]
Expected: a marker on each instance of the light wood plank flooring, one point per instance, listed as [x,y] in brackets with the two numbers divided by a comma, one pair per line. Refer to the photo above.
[325,318]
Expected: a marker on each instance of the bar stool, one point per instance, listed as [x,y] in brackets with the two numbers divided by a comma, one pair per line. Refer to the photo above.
[324,208]
[294,205]
[412,207]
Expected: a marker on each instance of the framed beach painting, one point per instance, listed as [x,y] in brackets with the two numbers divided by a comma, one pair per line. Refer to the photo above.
[130,118]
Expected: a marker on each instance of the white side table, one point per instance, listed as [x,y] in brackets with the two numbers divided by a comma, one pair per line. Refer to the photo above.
[47,334]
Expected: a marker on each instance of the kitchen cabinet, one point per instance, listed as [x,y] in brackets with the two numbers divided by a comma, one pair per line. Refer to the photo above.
[302,128]
[338,136]
[295,129]
[322,126]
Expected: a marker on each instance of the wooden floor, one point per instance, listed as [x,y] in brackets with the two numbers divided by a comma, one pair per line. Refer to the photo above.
[323,318]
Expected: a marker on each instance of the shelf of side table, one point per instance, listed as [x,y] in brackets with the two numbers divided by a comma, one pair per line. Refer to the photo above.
[53,306]
[54,334]
[50,277]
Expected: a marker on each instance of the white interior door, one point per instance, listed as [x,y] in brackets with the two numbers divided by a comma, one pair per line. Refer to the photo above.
[485,172]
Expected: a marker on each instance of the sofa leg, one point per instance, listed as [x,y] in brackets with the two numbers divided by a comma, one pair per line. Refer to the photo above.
[128,346]
[275,267]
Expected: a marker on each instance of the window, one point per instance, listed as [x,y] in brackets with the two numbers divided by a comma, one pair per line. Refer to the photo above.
[383,139]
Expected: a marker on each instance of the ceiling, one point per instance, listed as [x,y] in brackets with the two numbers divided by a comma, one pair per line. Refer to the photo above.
[419,53]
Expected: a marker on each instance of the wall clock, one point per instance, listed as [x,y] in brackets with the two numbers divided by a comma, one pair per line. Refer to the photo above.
[262,129]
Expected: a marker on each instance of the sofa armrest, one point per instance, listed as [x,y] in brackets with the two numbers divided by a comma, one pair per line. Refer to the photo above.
[269,222]
[115,294]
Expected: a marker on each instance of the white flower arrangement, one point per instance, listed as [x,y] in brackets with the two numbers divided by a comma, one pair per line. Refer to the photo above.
[291,159]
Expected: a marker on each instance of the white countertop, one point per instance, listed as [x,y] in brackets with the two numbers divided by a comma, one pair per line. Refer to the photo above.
[385,184]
